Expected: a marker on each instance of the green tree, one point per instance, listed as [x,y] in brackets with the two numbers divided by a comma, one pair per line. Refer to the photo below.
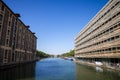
[41,54]
[71,53]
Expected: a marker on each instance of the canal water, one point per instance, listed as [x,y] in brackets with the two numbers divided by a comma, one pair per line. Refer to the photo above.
[58,69]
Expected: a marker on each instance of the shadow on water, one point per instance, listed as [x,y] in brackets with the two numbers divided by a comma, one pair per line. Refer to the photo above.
[22,72]
[57,69]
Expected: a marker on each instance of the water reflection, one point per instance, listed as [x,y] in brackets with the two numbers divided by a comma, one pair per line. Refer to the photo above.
[23,72]
[99,69]
[58,69]
[95,73]
[55,69]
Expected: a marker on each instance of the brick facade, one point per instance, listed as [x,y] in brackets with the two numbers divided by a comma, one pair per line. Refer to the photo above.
[17,42]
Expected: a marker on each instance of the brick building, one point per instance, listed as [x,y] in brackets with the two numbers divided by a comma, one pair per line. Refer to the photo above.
[17,42]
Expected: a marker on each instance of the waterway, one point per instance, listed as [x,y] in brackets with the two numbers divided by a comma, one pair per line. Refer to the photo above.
[58,69]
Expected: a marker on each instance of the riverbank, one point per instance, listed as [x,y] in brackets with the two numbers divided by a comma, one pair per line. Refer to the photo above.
[95,65]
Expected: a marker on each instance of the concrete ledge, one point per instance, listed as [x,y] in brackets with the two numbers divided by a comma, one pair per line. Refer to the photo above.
[94,65]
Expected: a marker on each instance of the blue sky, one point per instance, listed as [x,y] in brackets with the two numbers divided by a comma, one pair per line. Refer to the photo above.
[56,22]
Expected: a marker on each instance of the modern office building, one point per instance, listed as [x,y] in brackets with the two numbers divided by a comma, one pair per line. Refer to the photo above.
[17,42]
[99,40]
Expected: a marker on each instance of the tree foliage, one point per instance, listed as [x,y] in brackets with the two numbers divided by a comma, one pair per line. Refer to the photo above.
[69,54]
[41,54]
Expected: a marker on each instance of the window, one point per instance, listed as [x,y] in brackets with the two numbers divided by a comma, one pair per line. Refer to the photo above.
[105,41]
[10,15]
[2,8]
[9,23]
[115,26]
[5,55]
[8,32]
[117,3]
[106,50]
[117,37]
[107,31]
[118,48]
[114,48]
[7,41]
[0,28]
[112,38]
[109,49]
[108,39]
[119,24]
[0,18]
[111,28]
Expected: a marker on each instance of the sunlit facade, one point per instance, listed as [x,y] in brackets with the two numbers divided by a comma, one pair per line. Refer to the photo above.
[17,42]
[99,40]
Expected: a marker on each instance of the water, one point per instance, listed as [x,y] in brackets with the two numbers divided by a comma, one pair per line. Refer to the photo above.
[55,69]
[58,69]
